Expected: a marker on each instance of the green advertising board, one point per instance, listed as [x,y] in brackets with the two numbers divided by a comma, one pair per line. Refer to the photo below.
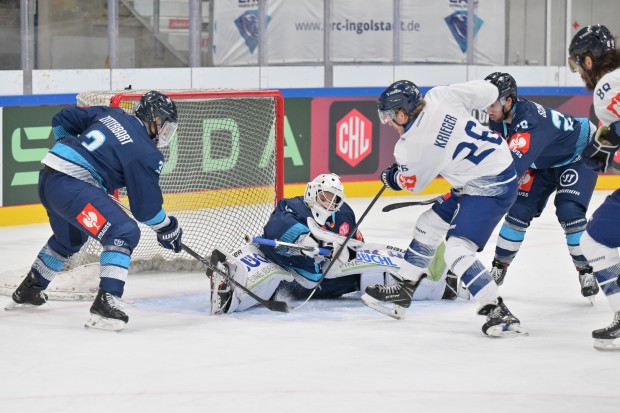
[297,140]
[26,138]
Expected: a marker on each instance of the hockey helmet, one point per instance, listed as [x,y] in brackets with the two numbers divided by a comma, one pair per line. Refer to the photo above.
[324,196]
[596,39]
[402,94]
[159,108]
[506,85]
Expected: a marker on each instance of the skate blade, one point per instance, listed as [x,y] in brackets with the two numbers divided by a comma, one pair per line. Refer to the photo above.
[606,345]
[12,306]
[97,322]
[397,312]
[591,298]
[500,331]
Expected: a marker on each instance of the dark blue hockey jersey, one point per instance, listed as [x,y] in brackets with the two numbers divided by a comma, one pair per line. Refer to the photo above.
[110,149]
[289,221]
[541,138]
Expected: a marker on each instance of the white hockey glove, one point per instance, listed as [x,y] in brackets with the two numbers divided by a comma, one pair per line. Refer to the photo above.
[310,244]
[336,241]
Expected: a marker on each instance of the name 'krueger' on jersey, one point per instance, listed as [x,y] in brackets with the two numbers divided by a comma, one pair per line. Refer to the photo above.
[445,140]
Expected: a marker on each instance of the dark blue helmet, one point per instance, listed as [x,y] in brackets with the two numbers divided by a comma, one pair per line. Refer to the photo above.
[157,105]
[506,85]
[596,39]
[402,94]
[154,105]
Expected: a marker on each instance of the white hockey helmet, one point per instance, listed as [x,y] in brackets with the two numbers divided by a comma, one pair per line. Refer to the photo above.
[324,196]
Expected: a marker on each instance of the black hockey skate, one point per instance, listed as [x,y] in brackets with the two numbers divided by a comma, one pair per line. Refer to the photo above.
[589,286]
[498,271]
[106,313]
[28,294]
[399,294]
[221,289]
[500,321]
[605,338]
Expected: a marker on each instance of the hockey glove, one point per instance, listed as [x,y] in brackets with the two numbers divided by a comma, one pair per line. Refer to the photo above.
[310,244]
[170,236]
[389,176]
[599,153]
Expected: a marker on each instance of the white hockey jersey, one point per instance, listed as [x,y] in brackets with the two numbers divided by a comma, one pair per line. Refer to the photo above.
[607,98]
[446,140]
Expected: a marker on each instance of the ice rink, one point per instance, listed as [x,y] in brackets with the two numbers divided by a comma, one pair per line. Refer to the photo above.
[329,356]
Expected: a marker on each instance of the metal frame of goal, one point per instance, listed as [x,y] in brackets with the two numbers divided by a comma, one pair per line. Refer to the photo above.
[223,175]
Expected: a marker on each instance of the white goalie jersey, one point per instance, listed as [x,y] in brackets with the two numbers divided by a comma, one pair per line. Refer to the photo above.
[446,140]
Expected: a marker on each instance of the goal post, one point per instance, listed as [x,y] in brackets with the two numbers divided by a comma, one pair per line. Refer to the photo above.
[222,176]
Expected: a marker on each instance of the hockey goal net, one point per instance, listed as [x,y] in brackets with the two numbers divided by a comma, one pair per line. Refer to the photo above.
[222,177]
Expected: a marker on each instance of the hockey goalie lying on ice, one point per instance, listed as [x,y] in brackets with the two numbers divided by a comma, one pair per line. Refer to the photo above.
[310,224]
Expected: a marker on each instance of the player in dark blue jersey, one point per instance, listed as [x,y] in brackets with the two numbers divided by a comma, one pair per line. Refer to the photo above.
[99,150]
[546,146]
[318,219]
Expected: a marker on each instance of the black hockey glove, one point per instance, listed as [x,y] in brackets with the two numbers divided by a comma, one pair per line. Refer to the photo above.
[599,153]
[170,236]
[388,177]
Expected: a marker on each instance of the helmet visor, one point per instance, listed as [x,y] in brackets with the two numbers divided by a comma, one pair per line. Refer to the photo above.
[166,134]
[573,63]
[386,115]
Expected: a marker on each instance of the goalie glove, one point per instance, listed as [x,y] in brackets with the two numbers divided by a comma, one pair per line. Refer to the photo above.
[336,242]
[311,246]
[599,153]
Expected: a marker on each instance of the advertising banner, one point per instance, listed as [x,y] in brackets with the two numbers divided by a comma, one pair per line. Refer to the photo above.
[360,31]
[26,138]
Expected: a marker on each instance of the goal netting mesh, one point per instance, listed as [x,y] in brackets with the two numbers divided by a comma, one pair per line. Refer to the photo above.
[222,176]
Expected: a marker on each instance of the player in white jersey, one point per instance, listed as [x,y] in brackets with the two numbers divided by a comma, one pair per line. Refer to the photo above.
[593,54]
[438,136]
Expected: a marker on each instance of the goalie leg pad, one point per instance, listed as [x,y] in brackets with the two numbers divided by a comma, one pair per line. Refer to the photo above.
[250,268]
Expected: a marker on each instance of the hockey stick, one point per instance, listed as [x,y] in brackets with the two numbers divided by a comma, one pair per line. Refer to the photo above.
[275,243]
[398,205]
[279,306]
[342,247]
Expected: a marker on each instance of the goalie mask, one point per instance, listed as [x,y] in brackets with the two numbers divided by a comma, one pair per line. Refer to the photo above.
[324,196]
[160,109]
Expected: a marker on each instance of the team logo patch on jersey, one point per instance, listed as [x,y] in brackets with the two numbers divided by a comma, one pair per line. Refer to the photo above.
[525,183]
[520,142]
[344,229]
[407,182]
[91,219]
[614,106]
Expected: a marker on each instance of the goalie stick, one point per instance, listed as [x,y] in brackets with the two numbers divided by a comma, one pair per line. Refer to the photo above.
[279,306]
[275,243]
[342,247]
[398,205]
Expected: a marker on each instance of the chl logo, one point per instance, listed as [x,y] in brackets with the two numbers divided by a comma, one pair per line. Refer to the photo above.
[354,137]
[91,219]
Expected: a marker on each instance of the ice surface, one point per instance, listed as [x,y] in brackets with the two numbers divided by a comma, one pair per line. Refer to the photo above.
[329,356]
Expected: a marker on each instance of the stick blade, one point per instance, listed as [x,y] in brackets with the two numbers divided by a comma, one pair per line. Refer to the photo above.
[279,306]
